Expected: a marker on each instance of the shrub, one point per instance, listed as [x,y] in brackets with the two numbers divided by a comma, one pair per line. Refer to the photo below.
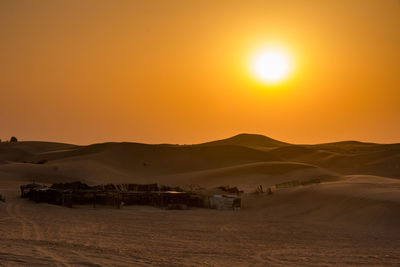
[13,139]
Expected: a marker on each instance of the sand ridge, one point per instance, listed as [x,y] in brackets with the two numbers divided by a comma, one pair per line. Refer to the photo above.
[350,218]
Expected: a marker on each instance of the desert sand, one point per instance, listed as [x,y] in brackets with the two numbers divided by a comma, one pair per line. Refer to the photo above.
[351,218]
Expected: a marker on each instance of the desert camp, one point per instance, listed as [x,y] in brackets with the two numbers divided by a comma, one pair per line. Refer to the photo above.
[77,193]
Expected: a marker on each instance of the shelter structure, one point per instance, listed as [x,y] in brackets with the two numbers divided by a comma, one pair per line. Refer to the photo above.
[77,193]
[26,189]
[225,202]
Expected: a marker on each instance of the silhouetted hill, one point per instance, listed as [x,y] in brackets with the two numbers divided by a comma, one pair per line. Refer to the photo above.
[249,140]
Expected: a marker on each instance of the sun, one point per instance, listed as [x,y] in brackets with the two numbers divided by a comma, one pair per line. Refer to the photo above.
[271,65]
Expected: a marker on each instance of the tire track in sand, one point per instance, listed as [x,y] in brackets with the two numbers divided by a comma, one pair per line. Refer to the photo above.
[263,258]
[30,230]
[10,209]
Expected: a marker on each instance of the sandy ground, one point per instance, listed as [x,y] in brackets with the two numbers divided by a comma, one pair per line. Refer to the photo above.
[321,225]
[348,219]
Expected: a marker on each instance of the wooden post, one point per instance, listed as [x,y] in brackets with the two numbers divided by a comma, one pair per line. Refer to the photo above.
[118,201]
[261,189]
[70,200]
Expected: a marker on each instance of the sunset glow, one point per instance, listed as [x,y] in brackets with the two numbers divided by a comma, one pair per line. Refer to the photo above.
[271,66]
[191,71]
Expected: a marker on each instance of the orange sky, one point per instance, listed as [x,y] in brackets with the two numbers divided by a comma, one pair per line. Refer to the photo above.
[177,71]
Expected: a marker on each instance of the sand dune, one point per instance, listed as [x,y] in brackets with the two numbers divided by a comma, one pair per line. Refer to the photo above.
[249,176]
[350,218]
[224,158]
[348,222]
[248,140]
[362,201]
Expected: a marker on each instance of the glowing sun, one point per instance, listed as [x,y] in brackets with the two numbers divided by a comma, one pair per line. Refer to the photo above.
[271,66]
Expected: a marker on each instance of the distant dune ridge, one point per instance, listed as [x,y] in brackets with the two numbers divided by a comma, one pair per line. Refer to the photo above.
[350,218]
[245,160]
